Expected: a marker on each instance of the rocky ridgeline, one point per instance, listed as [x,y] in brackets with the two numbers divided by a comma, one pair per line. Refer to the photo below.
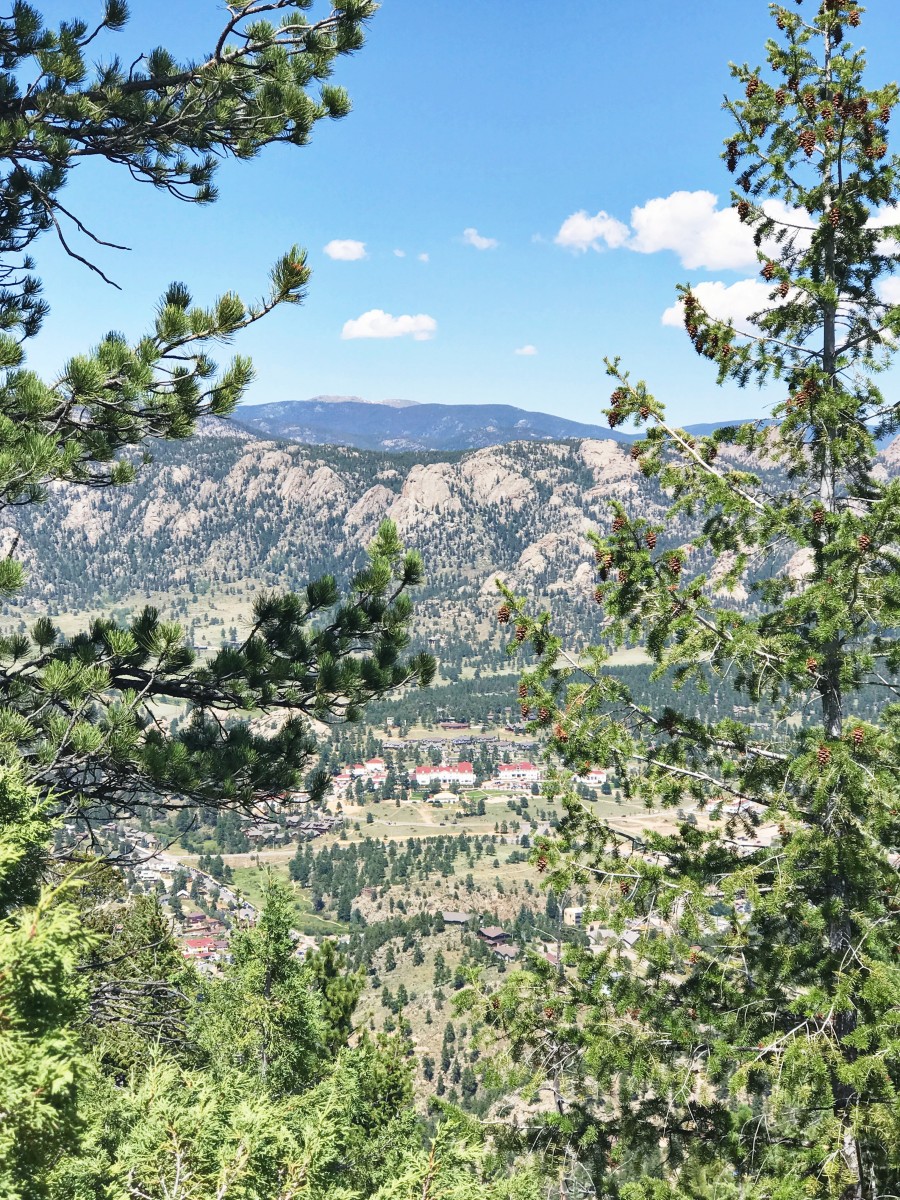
[228,508]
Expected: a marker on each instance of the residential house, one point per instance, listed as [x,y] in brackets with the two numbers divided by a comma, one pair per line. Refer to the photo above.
[198,947]
[574,917]
[456,918]
[493,935]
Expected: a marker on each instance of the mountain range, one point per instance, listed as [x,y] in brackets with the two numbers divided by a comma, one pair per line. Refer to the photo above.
[399,425]
[217,517]
[214,519]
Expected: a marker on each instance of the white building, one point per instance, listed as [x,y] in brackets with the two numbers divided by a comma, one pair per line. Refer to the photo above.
[462,774]
[519,774]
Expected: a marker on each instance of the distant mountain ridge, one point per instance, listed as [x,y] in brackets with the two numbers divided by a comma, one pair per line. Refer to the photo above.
[403,425]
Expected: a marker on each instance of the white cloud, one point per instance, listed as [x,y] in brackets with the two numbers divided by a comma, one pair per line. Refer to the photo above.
[888,215]
[724,302]
[581,232]
[526,351]
[400,253]
[376,323]
[423,257]
[346,250]
[690,224]
[889,290]
[473,238]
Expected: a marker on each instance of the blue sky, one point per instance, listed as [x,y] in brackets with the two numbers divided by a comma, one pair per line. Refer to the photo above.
[507,120]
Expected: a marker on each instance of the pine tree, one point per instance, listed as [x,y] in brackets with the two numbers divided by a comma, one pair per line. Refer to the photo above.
[41,998]
[752,1034]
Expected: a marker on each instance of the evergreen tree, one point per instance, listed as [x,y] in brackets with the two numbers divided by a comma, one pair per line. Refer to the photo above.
[42,998]
[263,1015]
[338,989]
[756,1038]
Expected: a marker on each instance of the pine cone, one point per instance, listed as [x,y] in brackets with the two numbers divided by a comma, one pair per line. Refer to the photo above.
[674,565]
[598,595]
[768,271]
[743,210]
[559,733]
[834,217]
[809,100]
[854,17]
[807,142]
[607,560]
[783,288]
[503,614]
[635,450]
[523,691]
[752,87]
[623,577]
[864,542]
[885,114]
[543,714]
[644,411]
[613,420]
[650,539]
[781,97]
[542,863]
[812,666]
[618,523]
[823,756]
[829,133]
[524,710]
[521,633]
[858,736]
[818,516]
[731,163]
[549,1013]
